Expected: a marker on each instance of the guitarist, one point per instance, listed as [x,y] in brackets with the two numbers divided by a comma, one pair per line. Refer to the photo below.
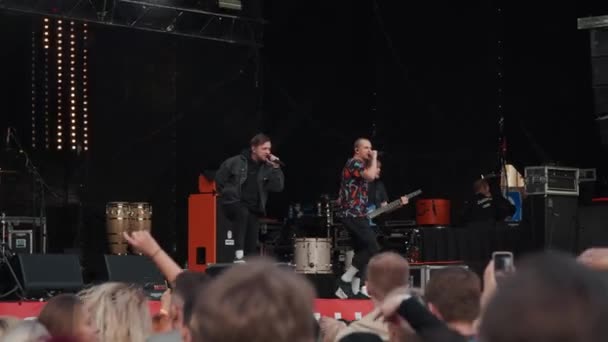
[377,195]
[359,170]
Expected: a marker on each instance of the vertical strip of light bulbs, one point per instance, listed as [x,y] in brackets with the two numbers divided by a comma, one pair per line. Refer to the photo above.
[85,100]
[46,40]
[34,89]
[72,92]
[60,71]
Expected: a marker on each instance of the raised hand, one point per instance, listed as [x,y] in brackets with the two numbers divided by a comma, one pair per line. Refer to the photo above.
[142,241]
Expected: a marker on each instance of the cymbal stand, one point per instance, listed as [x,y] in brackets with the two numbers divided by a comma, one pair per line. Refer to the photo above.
[4,233]
[5,254]
[42,187]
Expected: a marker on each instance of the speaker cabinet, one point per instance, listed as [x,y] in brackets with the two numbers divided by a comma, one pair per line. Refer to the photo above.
[210,236]
[598,30]
[42,273]
[554,222]
[135,269]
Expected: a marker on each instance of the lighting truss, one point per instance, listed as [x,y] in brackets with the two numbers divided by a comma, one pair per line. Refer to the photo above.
[190,18]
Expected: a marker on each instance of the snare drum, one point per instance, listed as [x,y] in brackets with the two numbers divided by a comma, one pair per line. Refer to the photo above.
[117,222]
[313,256]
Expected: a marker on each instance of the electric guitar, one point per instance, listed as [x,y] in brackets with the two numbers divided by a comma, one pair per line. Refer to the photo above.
[373,212]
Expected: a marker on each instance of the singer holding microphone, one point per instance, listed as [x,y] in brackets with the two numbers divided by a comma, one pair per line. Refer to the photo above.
[243,182]
[353,200]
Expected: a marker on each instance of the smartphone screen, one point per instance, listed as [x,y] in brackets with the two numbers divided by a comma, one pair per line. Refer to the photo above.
[503,262]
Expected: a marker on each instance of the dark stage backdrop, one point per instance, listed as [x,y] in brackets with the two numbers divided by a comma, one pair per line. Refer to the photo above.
[172,108]
[420,79]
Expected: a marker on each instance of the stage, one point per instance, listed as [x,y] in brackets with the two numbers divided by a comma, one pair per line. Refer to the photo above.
[337,308]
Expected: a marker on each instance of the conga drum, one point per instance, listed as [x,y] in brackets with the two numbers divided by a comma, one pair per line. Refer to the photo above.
[433,212]
[140,218]
[117,222]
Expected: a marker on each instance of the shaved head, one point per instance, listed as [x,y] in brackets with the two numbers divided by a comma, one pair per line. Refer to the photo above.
[360,141]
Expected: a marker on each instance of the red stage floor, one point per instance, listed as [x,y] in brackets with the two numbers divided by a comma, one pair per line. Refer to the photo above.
[337,308]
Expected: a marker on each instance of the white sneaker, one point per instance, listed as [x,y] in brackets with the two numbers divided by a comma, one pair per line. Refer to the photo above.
[341,294]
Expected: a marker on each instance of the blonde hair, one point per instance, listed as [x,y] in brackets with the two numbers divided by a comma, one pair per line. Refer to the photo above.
[7,323]
[26,331]
[120,312]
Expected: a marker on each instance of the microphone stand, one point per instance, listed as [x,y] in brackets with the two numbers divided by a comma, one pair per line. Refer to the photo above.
[42,185]
[502,155]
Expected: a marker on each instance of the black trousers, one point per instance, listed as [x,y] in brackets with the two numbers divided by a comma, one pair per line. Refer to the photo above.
[365,242]
[245,227]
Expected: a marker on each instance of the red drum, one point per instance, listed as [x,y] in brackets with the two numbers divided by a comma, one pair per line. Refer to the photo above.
[433,212]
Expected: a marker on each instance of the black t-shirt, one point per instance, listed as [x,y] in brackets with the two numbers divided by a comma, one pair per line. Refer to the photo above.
[250,192]
[493,208]
[481,208]
[377,193]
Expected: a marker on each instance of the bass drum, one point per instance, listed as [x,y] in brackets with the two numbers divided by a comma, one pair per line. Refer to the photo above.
[313,256]
[433,212]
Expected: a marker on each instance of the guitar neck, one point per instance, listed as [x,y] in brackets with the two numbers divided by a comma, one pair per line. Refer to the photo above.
[393,205]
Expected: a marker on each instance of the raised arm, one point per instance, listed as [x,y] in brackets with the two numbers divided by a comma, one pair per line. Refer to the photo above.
[371,170]
[143,241]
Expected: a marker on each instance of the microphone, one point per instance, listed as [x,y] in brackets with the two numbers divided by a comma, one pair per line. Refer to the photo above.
[275,159]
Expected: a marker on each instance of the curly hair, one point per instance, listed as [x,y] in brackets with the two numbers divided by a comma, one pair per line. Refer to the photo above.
[120,311]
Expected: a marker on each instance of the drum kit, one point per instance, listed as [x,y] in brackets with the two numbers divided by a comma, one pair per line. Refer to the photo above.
[126,217]
[313,242]
[322,245]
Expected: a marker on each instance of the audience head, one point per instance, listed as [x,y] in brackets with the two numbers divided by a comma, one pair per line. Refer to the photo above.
[26,331]
[120,311]
[481,186]
[64,315]
[187,285]
[62,339]
[257,301]
[386,272]
[7,323]
[453,294]
[551,297]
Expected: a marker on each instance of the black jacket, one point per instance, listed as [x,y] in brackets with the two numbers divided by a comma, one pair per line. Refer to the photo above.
[233,172]
[425,324]
[484,209]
